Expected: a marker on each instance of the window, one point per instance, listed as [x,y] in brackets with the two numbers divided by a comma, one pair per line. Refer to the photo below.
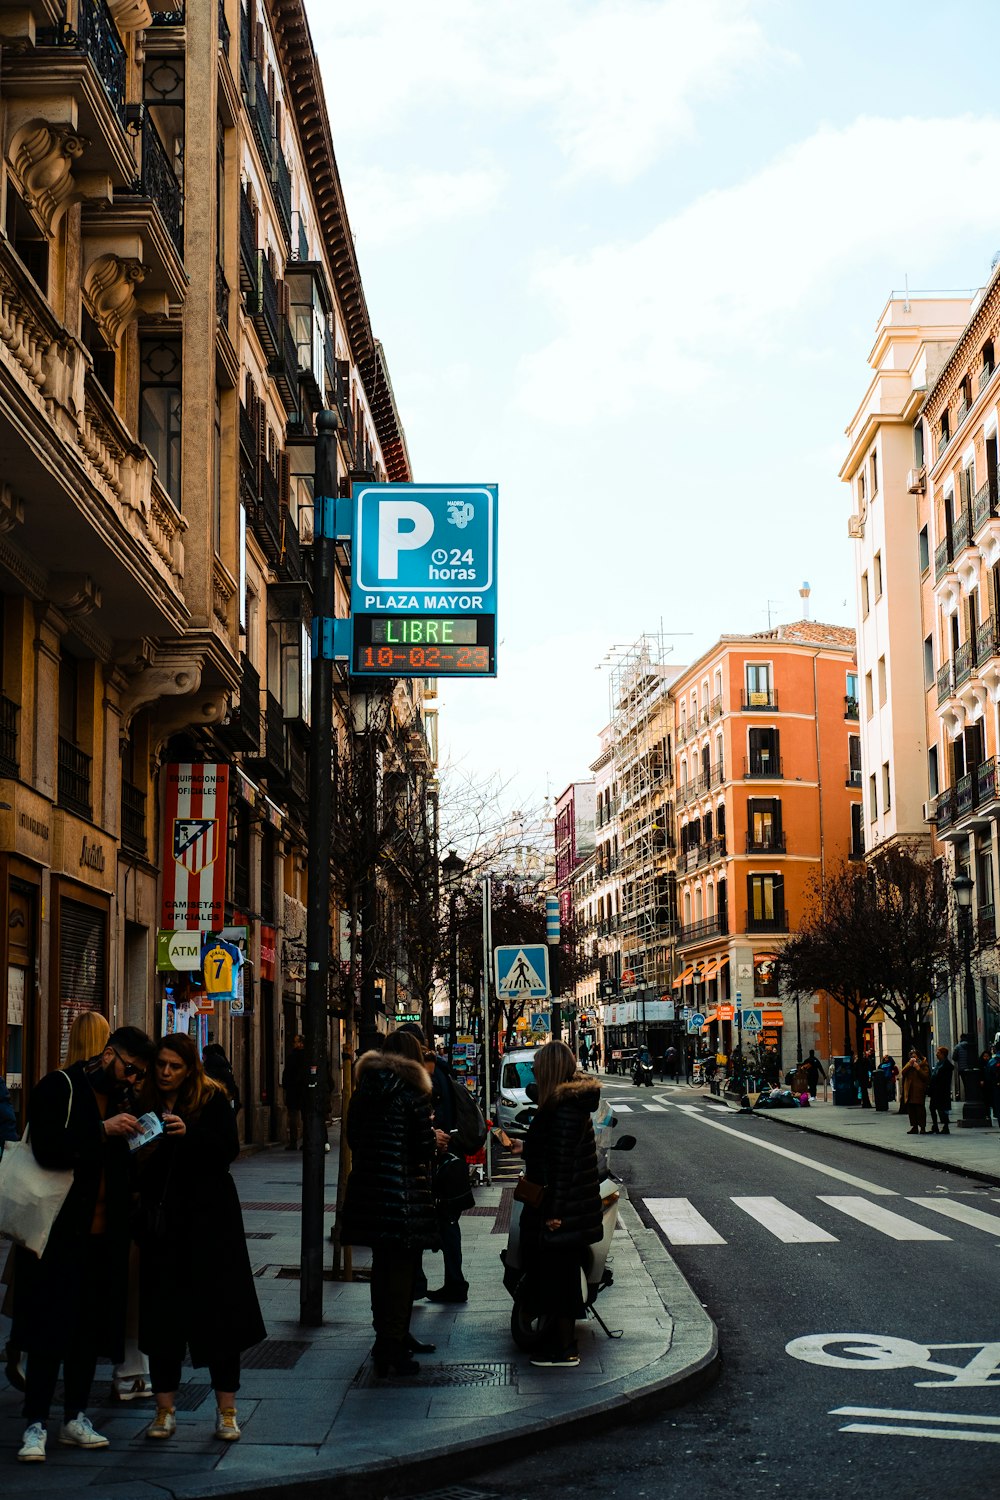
[758,685]
[160,397]
[930,674]
[924,550]
[765,903]
[861,492]
[857,831]
[881,682]
[933,776]
[854,760]
[872,798]
[869,696]
[28,240]
[864,596]
[886,787]
[877,574]
[918,444]
[100,352]
[851,696]
[764,823]
[874,473]
[764,759]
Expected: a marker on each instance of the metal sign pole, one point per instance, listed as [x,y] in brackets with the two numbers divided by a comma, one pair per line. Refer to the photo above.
[487,1037]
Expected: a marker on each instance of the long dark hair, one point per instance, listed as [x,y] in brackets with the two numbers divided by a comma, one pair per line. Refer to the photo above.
[197,1088]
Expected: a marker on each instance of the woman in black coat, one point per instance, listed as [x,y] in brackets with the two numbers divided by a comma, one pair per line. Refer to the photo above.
[389,1203]
[560,1153]
[191,1219]
[939,1092]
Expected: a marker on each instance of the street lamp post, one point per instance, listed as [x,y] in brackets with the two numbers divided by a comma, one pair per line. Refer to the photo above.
[974,1113]
[451,873]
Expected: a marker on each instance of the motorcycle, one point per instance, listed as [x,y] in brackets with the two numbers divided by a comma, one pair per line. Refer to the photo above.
[531,1329]
[642,1073]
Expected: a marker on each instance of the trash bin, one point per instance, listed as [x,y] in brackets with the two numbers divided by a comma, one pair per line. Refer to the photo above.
[880,1091]
[845,1089]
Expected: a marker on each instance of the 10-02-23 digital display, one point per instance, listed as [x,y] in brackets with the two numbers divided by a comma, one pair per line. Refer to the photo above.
[424,645]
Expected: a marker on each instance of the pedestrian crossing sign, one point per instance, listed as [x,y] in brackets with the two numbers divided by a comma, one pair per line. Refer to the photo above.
[522,971]
[753,1021]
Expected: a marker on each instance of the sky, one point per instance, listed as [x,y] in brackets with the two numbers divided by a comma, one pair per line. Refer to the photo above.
[626,258]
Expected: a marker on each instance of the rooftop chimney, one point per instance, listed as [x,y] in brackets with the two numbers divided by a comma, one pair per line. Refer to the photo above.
[804,593]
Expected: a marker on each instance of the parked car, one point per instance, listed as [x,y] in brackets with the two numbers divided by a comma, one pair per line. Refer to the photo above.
[514,1108]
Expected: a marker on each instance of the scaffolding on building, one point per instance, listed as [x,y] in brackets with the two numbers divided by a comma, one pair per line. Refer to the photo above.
[641,718]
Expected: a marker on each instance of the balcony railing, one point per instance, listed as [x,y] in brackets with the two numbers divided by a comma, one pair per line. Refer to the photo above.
[261,114]
[274,737]
[986,374]
[768,843]
[169,15]
[248,244]
[851,710]
[97,35]
[699,932]
[224,32]
[265,516]
[715,707]
[965,795]
[766,922]
[242,729]
[942,559]
[853,777]
[986,782]
[285,368]
[963,663]
[263,306]
[945,809]
[8,737]
[74,779]
[221,295]
[158,182]
[766,767]
[987,640]
[944,438]
[984,505]
[291,550]
[961,531]
[945,682]
[245,24]
[248,435]
[133,818]
[282,179]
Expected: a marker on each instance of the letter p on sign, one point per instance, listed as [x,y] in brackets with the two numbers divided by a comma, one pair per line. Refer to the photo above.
[403,526]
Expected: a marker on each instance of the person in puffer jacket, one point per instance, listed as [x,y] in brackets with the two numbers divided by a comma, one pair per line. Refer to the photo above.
[560,1152]
[389,1203]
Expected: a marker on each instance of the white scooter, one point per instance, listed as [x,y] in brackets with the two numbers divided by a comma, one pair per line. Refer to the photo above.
[530,1328]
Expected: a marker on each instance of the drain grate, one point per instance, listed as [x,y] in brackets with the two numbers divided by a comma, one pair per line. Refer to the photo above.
[282,1208]
[469,1373]
[258,1234]
[481,1211]
[273,1354]
[454,1492]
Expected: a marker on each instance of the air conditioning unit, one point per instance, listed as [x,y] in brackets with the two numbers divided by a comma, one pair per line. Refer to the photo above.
[855,528]
[930,811]
[916,481]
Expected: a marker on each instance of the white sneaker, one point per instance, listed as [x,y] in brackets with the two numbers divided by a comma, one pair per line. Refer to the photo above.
[132,1388]
[80,1434]
[226,1426]
[164,1424]
[33,1444]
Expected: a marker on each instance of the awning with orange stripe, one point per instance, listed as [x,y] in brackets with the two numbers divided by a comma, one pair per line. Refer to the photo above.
[710,970]
[684,974]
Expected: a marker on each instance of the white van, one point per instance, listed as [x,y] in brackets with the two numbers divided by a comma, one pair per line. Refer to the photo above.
[517,1070]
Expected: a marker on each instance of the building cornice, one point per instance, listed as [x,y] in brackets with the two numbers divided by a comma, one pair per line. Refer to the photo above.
[943,388]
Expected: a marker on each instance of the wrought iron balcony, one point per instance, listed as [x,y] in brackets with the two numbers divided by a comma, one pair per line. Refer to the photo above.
[97,35]
[942,558]
[715,707]
[754,702]
[945,809]
[290,565]
[169,15]
[133,818]
[853,777]
[285,368]
[261,112]
[248,437]
[986,783]
[766,843]
[965,795]
[984,505]
[944,439]
[986,374]
[987,640]
[282,180]
[158,182]
[963,663]
[74,779]
[945,682]
[773,921]
[221,295]
[961,532]
[248,244]
[700,932]
[8,737]
[245,24]
[242,730]
[764,767]
[265,516]
[262,304]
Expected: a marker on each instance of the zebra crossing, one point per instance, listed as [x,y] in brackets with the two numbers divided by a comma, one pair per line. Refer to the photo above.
[682,1223]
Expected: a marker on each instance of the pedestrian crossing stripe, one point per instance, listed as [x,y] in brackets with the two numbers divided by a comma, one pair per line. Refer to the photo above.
[683,1224]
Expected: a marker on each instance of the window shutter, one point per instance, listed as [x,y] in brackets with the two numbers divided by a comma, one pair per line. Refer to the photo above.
[284,478]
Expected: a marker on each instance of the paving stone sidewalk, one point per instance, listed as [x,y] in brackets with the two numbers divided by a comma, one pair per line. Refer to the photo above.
[975,1153]
[312,1414]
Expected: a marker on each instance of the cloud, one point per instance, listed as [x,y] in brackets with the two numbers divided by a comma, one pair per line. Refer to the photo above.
[734,274]
[388,207]
[613,83]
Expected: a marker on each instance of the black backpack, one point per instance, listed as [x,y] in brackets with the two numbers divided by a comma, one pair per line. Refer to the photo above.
[470,1126]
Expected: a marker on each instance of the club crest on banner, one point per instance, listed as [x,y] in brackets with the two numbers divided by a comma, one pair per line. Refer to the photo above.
[196,843]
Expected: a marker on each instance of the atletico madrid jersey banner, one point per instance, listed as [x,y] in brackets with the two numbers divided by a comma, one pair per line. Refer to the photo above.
[194,855]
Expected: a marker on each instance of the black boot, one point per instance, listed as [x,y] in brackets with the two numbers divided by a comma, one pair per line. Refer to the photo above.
[452,1291]
[392,1359]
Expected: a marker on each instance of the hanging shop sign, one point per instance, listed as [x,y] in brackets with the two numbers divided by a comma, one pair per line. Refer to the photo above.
[194,854]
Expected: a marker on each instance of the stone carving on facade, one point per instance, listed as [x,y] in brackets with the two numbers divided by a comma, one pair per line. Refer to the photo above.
[11,509]
[74,594]
[131,15]
[170,678]
[42,156]
[109,288]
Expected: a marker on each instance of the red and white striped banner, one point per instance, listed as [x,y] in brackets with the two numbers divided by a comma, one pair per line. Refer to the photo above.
[194,854]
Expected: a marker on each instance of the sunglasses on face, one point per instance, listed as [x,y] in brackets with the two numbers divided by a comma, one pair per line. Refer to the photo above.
[131,1070]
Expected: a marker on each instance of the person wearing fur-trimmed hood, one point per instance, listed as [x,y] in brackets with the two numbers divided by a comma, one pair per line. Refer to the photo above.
[560,1153]
[389,1202]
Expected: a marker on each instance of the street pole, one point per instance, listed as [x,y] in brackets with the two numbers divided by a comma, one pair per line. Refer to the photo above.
[368,1032]
[318,877]
[451,871]
[975,1113]
[485,1040]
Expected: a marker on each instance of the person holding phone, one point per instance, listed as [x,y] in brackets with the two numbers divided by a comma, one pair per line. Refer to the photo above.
[560,1154]
[190,1208]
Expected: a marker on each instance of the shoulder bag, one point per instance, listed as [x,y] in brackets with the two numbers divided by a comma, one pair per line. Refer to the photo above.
[530,1193]
[470,1126]
[31,1195]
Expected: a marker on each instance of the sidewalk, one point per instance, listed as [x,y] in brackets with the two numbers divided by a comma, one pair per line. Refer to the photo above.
[313,1416]
[974,1153]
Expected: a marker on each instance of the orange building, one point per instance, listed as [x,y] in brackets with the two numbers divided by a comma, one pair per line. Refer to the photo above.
[768,800]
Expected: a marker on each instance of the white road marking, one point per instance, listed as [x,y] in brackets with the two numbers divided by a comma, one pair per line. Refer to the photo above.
[964,1213]
[783,1222]
[656,1109]
[882,1219]
[915,1416]
[623,1109]
[883,1430]
[681,1222]
[694,1113]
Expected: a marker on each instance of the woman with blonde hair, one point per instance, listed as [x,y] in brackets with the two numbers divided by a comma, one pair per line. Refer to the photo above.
[88,1037]
[560,1156]
[190,1208]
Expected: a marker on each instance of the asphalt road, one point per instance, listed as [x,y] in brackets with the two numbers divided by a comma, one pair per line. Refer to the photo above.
[860,1329]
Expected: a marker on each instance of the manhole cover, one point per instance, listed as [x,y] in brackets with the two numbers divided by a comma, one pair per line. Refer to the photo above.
[469,1373]
[273,1354]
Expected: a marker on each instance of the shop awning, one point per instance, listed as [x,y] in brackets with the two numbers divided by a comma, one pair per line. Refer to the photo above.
[684,974]
[710,970]
[772,1018]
